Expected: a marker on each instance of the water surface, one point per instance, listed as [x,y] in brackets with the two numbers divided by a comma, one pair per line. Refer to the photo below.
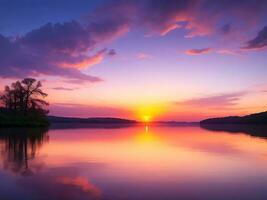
[139,162]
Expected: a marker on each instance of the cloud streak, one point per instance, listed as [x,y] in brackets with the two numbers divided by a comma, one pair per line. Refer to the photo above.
[217,101]
[229,52]
[64,88]
[143,56]
[198,51]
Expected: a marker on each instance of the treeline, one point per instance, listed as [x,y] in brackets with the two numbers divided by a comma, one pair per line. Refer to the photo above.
[23,104]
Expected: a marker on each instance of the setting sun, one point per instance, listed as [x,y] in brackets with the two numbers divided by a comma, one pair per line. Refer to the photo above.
[149,111]
[146,118]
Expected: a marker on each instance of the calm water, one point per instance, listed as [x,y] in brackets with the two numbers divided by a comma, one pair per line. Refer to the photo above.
[155,162]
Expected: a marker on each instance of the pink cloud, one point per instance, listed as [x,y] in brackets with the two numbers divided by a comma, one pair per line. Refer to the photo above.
[200,18]
[84,63]
[197,28]
[169,28]
[229,52]
[143,56]
[198,51]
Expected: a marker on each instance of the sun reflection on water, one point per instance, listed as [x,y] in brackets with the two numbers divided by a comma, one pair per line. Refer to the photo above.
[146,128]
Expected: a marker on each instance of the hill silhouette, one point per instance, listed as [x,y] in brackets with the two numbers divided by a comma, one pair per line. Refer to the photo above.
[257,118]
[93,120]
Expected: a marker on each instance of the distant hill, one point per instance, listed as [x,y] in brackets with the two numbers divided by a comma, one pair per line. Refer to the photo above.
[258,118]
[95,120]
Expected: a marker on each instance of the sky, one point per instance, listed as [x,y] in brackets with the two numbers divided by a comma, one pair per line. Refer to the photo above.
[182,60]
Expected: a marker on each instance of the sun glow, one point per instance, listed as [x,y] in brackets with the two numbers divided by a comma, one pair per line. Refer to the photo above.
[148,113]
[146,118]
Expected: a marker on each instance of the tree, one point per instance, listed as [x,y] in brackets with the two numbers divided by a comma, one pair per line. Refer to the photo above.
[24,104]
[32,92]
[24,97]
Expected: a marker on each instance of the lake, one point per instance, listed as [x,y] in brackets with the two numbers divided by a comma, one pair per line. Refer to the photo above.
[138,163]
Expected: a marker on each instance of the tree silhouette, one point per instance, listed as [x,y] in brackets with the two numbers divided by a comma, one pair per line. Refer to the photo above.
[25,96]
[23,104]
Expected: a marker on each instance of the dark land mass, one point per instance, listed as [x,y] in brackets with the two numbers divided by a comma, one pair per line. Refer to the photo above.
[254,124]
[93,120]
[9,118]
[258,118]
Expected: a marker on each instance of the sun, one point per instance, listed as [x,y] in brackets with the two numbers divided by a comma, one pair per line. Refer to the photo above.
[146,118]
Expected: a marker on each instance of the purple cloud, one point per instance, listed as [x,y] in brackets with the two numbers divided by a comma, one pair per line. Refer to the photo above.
[144,56]
[216,101]
[68,37]
[229,52]
[18,60]
[259,42]
[59,49]
[112,52]
[198,17]
[163,17]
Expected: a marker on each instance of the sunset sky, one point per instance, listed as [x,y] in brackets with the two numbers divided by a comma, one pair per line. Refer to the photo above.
[180,60]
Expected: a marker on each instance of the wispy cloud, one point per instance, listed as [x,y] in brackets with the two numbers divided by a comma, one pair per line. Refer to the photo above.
[198,51]
[229,52]
[143,56]
[64,88]
[221,101]
[259,42]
